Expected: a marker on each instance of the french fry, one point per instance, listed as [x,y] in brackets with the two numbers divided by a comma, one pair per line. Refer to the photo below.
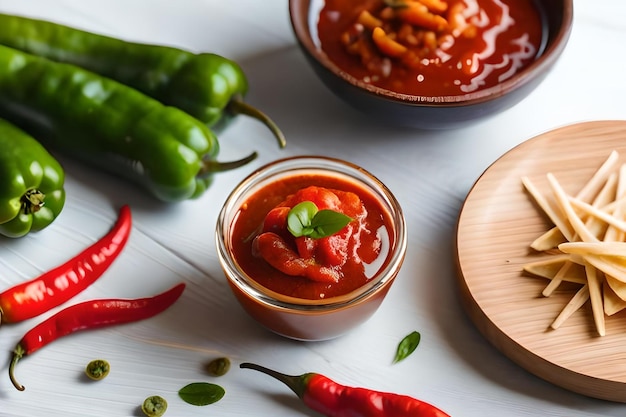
[610,265]
[577,301]
[618,287]
[563,200]
[550,211]
[598,178]
[549,240]
[607,249]
[590,233]
[595,295]
[612,302]
[601,175]
[603,215]
[559,277]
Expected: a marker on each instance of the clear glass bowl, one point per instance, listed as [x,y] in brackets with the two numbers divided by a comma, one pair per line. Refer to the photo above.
[305,319]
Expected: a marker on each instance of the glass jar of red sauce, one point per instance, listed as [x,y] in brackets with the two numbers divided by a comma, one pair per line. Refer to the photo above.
[297,306]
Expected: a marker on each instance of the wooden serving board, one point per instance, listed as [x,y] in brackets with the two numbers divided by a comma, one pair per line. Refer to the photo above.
[496,226]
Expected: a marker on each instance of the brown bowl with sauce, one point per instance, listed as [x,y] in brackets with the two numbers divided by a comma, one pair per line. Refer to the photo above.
[311,245]
[431,63]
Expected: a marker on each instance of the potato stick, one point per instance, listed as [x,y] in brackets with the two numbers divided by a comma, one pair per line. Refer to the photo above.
[612,232]
[585,194]
[598,178]
[577,224]
[605,196]
[557,280]
[594,248]
[559,221]
[557,260]
[577,301]
[577,259]
[595,294]
[549,270]
[612,302]
[600,214]
[618,287]
[610,265]
[621,183]
[548,240]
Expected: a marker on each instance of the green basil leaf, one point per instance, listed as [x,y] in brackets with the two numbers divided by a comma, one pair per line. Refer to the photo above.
[300,217]
[407,346]
[328,222]
[304,219]
[201,393]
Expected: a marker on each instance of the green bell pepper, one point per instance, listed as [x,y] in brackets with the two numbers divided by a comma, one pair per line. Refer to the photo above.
[110,125]
[207,86]
[31,183]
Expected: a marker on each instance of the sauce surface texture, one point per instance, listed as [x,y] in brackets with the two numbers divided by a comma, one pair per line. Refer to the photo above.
[431,47]
[316,268]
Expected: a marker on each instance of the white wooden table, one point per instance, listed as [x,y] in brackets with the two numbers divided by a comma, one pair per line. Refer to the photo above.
[454,367]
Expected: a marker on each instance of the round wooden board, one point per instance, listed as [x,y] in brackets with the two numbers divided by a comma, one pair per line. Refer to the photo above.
[496,226]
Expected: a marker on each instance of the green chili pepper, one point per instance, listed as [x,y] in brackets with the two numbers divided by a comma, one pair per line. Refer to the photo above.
[31,183]
[111,125]
[207,86]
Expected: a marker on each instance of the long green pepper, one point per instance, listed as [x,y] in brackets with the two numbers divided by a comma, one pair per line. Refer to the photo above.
[32,192]
[207,86]
[109,124]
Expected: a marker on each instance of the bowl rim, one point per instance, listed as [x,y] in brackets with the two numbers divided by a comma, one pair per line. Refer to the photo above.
[277,301]
[541,64]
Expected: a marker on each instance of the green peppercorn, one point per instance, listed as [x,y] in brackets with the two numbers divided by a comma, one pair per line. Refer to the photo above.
[97,369]
[154,406]
[218,366]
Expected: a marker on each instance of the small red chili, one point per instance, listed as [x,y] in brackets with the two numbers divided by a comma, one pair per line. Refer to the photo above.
[325,396]
[91,315]
[51,289]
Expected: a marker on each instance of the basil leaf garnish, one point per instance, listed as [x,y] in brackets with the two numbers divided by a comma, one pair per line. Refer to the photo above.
[201,393]
[407,346]
[304,219]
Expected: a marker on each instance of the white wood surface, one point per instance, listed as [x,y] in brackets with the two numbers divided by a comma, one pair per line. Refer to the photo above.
[454,367]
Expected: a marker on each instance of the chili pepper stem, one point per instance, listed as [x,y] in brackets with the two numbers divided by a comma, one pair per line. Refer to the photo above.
[236,106]
[32,201]
[18,352]
[297,383]
[209,167]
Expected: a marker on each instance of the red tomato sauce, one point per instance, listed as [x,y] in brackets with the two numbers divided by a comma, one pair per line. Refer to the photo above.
[467,45]
[363,241]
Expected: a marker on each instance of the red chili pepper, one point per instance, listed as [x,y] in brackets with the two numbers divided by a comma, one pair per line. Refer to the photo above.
[325,396]
[91,315]
[53,288]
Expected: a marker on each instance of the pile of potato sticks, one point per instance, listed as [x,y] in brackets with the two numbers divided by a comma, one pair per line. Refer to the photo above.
[587,244]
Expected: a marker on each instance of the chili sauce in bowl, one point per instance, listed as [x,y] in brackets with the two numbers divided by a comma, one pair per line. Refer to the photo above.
[311,287]
[431,63]
[445,49]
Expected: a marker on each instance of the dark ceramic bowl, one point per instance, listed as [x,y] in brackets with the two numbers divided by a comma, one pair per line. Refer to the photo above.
[425,111]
